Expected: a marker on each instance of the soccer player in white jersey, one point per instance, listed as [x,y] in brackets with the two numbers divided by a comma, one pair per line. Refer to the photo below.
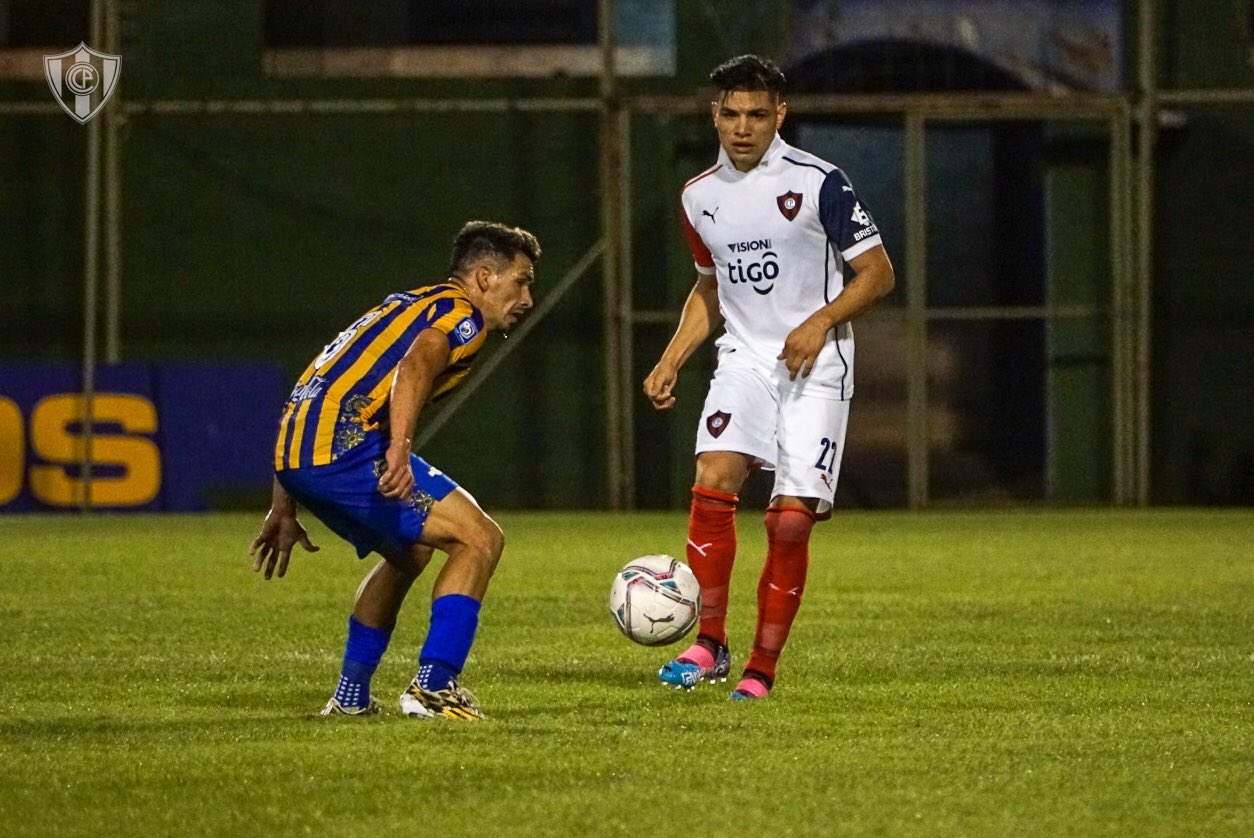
[786,256]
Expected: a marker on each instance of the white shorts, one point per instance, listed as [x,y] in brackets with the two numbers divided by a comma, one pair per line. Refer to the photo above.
[796,428]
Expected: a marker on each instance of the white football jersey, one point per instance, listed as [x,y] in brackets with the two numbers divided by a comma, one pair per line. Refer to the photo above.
[777,237]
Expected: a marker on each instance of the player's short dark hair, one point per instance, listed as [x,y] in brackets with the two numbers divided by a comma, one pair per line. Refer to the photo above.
[477,241]
[748,72]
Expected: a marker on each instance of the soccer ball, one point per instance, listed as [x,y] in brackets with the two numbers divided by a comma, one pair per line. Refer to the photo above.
[655,600]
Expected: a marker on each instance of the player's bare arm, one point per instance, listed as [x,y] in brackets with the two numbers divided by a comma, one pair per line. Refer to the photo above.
[699,319]
[873,280]
[280,532]
[427,357]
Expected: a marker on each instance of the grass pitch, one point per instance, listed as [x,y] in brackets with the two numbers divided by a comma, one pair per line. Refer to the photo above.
[1008,673]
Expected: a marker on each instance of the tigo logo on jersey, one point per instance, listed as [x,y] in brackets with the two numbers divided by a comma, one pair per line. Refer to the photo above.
[755,272]
[789,204]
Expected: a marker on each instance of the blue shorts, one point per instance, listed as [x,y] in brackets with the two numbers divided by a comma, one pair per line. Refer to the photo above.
[345,496]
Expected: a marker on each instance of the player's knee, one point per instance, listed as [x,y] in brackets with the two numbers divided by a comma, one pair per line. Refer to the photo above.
[485,543]
[725,474]
[789,524]
[494,537]
[408,562]
[419,557]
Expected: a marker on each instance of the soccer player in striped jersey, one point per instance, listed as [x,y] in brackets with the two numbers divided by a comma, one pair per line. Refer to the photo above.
[344,453]
[786,256]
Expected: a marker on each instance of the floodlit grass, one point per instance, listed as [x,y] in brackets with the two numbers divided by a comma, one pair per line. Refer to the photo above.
[1008,673]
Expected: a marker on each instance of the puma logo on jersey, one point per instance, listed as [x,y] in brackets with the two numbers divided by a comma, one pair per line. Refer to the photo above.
[713,220]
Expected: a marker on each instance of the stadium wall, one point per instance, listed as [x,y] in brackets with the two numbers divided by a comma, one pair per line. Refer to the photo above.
[257,237]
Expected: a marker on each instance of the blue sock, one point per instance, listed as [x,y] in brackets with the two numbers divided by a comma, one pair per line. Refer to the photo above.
[362,651]
[454,619]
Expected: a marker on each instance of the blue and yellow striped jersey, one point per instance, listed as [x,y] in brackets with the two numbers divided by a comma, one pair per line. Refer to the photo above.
[340,401]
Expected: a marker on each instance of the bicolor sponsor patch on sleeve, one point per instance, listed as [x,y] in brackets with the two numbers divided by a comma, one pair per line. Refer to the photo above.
[464,332]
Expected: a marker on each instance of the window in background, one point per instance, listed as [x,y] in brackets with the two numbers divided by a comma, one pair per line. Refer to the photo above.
[43,23]
[462,38]
[1048,45]
[30,29]
[337,23]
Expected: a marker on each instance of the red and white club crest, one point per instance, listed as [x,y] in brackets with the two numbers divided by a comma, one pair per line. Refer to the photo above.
[717,422]
[789,204]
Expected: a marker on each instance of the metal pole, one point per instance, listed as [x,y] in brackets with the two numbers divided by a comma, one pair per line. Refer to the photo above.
[1147,112]
[483,371]
[91,273]
[610,207]
[91,279]
[113,117]
[1129,330]
[950,107]
[1119,272]
[1216,96]
[626,324]
[917,442]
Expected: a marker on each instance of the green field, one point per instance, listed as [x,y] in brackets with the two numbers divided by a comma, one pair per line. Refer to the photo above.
[1004,673]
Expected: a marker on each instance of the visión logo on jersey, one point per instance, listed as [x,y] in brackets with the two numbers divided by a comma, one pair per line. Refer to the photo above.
[82,80]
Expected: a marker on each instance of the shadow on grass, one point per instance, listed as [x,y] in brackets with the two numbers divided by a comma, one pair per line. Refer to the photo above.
[605,673]
[68,729]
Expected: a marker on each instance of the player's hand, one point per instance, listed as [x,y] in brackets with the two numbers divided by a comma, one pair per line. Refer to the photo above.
[397,480]
[272,547]
[802,347]
[659,383]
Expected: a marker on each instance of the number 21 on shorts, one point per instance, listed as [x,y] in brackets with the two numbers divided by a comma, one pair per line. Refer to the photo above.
[827,459]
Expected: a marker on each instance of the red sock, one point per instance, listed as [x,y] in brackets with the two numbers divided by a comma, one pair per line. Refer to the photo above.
[781,585]
[711,553]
